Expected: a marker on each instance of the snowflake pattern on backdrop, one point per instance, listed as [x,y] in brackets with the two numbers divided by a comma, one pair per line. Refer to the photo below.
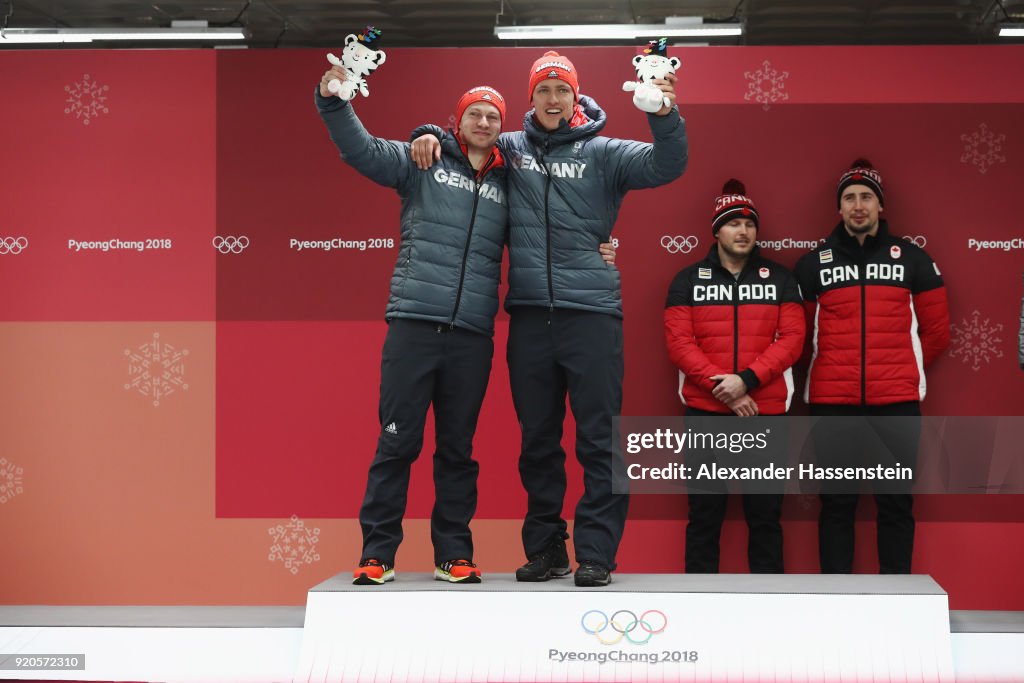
[982,148]
[767,85]
[10,480]
[156,369]
[86,100]
[976,340]
[294,544]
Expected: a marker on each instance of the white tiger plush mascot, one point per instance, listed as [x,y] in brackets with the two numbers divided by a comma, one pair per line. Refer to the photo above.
[358,59]
[654,63]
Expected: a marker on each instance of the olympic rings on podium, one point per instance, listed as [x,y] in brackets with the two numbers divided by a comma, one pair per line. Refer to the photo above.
[623,624]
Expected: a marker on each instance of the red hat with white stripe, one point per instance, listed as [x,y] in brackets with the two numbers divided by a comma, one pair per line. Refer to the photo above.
[861,172]
[554,65]
[481,93]
[731,204]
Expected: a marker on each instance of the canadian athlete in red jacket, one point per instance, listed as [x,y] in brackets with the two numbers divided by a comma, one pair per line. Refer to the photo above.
[878,315]
[734,327]
[879,312]
[751,325]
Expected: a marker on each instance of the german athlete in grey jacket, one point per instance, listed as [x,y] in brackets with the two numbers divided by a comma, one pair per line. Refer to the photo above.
[566,184]
[565,189]
[438,349]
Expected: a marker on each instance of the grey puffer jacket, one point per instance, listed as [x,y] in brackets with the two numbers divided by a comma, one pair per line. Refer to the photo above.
[453,226]
[565,190]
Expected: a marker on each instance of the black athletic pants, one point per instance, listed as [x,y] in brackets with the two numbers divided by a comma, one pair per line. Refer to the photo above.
[707,512]
[579,353]
[842,442]
[424,363]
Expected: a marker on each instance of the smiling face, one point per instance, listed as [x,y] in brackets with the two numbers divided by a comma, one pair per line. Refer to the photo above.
[553,100]
[480,125]
[859,207]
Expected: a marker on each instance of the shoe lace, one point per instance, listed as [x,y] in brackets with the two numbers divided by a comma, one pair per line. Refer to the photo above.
[547,555]
[460,563]
[372,562]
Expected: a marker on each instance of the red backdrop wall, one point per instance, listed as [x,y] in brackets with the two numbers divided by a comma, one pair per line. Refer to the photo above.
[185,146]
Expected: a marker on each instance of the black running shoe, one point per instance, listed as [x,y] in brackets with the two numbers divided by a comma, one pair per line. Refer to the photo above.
[552,562]
[592,573]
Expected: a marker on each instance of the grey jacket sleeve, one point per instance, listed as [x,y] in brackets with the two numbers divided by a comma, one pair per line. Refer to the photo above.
[426,129]
[1020,352]
[639,165]
[385,162]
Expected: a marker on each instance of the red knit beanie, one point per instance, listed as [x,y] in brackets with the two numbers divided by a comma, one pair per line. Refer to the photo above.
[733,203]
[861,172]
[481,93]
[553,65]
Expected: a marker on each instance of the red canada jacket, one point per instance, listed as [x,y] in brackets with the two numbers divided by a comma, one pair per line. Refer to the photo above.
[878,313]
[752,326]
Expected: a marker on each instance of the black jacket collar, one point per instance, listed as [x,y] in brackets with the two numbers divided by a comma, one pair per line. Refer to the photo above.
[872,243]
[753,260]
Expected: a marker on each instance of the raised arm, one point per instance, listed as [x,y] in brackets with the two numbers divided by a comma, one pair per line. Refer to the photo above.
[385,162]
[639,165]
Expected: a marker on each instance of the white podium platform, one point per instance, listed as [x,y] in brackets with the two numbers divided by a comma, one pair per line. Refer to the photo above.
[662,627]
[988,647]
[211,644]
[139,643]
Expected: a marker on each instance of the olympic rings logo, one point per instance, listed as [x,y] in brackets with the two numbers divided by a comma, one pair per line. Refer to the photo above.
[623,624]
[679,244]
[919,240]
[13,245]
[230,244]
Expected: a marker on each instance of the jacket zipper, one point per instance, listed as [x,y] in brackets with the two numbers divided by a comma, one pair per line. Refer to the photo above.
[736,331]
[547,224]
[469,237]
[863,336]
